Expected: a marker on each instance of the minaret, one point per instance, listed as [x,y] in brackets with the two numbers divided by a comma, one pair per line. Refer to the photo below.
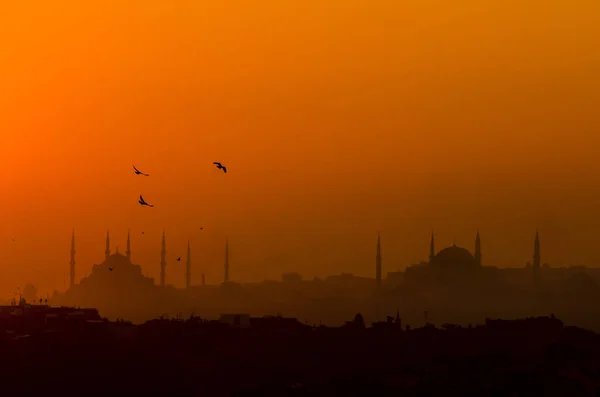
[128,251]
[431,248]
[226,278]
[378,262]
[107,250]
[478,250]
[72,262]
[163,260]
[536,258]
[188,268]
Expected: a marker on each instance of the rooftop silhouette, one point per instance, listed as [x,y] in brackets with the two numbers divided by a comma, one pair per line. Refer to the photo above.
[277,355]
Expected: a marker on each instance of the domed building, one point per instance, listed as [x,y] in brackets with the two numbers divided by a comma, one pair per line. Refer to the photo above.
[118,288]
[117,270]
[115,285]
[453,257]
[449,266]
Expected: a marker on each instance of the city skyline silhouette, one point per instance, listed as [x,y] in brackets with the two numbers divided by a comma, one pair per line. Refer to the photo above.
[454,118]
[300,197]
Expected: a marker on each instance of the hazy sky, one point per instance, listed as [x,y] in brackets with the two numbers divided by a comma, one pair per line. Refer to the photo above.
[337,119]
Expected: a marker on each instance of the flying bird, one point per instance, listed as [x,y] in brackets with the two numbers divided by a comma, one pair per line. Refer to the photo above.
[179,259]
[220,166]
[138,172]
[201,228]
[143,202]
[110,269]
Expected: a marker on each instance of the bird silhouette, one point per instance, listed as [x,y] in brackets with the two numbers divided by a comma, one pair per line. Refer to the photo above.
[201,228]
[138,172]
[143,202]
[142,232]
[110,269]
[220,166]
[179,259]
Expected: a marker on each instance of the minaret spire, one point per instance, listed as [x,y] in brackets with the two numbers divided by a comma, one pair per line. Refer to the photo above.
[432,247]
[226,278]
[378,262]
[478,249]
[128,251]
[163,260]
[72,262]
[107,250]
[188,267]
[536,258]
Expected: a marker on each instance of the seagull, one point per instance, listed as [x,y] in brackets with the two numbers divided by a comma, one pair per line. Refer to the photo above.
[143,202]
[110,269]
[179,259]
[138,172]
[220,166]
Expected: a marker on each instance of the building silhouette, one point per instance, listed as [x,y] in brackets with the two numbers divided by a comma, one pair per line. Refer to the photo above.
[72,261]
[226,276]
[432,248]
[128,251]
[536,259]
[107,250]
[188,267]
[456,266]
[163,261]
[451,266]
[378,262]
[114,285]
[477,250]
[453,284]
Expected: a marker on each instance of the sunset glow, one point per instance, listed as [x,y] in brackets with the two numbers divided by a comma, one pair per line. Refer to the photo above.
[336,120]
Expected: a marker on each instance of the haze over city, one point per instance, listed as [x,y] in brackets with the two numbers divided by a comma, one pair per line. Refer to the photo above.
[336,120]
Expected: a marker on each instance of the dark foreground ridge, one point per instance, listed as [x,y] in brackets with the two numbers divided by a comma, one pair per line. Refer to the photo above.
[67,351]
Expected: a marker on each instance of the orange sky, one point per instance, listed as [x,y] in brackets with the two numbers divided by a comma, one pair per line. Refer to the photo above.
[337,119]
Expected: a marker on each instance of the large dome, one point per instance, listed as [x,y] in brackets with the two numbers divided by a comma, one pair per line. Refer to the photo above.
[116,259]
[454,257]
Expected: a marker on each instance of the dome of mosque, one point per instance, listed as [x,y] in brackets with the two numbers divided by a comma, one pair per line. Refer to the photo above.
[117,259]
[118,265]
[454,257]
